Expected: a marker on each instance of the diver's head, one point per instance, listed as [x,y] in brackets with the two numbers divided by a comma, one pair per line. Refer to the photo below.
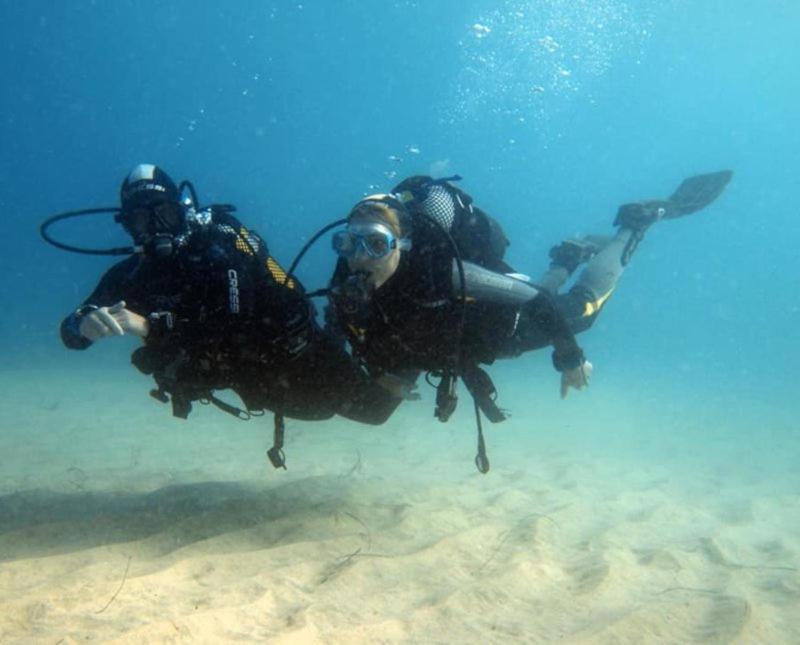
[150,205]
[378,230]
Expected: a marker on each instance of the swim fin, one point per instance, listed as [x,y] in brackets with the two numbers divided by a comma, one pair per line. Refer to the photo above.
[694,194]
[698,192]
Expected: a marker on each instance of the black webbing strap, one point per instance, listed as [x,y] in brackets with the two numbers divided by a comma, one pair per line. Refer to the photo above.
[275,454]
[483,391]
[630,246]
[244,415]
[446,397]
[481,459]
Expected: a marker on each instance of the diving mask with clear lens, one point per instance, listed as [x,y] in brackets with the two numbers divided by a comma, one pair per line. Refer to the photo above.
[375,240]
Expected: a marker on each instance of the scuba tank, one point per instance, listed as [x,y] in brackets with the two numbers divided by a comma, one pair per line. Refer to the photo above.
[489,286]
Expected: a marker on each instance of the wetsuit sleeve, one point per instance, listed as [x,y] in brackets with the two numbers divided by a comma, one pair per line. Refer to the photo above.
[108,291]
[549,321]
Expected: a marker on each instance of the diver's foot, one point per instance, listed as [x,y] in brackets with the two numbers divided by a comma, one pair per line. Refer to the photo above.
[571,253]
[694,194]
[639,216]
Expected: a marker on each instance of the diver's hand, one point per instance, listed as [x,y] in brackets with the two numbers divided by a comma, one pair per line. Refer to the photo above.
[115,320]
[131,322]
[577,377]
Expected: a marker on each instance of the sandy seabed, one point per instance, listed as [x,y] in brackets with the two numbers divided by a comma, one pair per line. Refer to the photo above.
[598,523]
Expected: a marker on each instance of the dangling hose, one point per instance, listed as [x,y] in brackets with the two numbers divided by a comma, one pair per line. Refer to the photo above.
[43,231]
[120,250]
[310,243]
[187,185]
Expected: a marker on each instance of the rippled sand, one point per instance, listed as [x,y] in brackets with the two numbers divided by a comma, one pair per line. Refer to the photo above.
[598,523]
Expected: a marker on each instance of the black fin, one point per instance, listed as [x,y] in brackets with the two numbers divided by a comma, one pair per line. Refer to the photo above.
[698,192]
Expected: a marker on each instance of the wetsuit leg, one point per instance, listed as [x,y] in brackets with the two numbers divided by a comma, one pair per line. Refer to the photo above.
[595,284]
[580,306]
[567,256]
[555,278]
[337,381]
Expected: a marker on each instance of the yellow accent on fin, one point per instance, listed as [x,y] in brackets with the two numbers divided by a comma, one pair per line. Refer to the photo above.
[592,308]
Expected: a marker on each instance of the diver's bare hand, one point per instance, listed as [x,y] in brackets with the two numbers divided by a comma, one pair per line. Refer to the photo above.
[115,320]
[577,377]
[130,321]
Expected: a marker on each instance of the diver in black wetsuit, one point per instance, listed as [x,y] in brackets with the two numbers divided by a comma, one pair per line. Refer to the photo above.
[421,286]
[216,311]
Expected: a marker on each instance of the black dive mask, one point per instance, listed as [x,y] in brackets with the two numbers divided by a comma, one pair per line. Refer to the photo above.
[155,228]
[146,222]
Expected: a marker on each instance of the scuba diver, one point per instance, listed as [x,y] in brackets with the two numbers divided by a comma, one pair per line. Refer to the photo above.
[215,311]
[421,286]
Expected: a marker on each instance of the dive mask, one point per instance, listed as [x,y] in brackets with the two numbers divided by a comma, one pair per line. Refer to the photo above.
[375,240]
[145,221]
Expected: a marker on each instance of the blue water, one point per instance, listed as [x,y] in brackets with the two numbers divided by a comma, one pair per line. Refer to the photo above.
[553,111]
